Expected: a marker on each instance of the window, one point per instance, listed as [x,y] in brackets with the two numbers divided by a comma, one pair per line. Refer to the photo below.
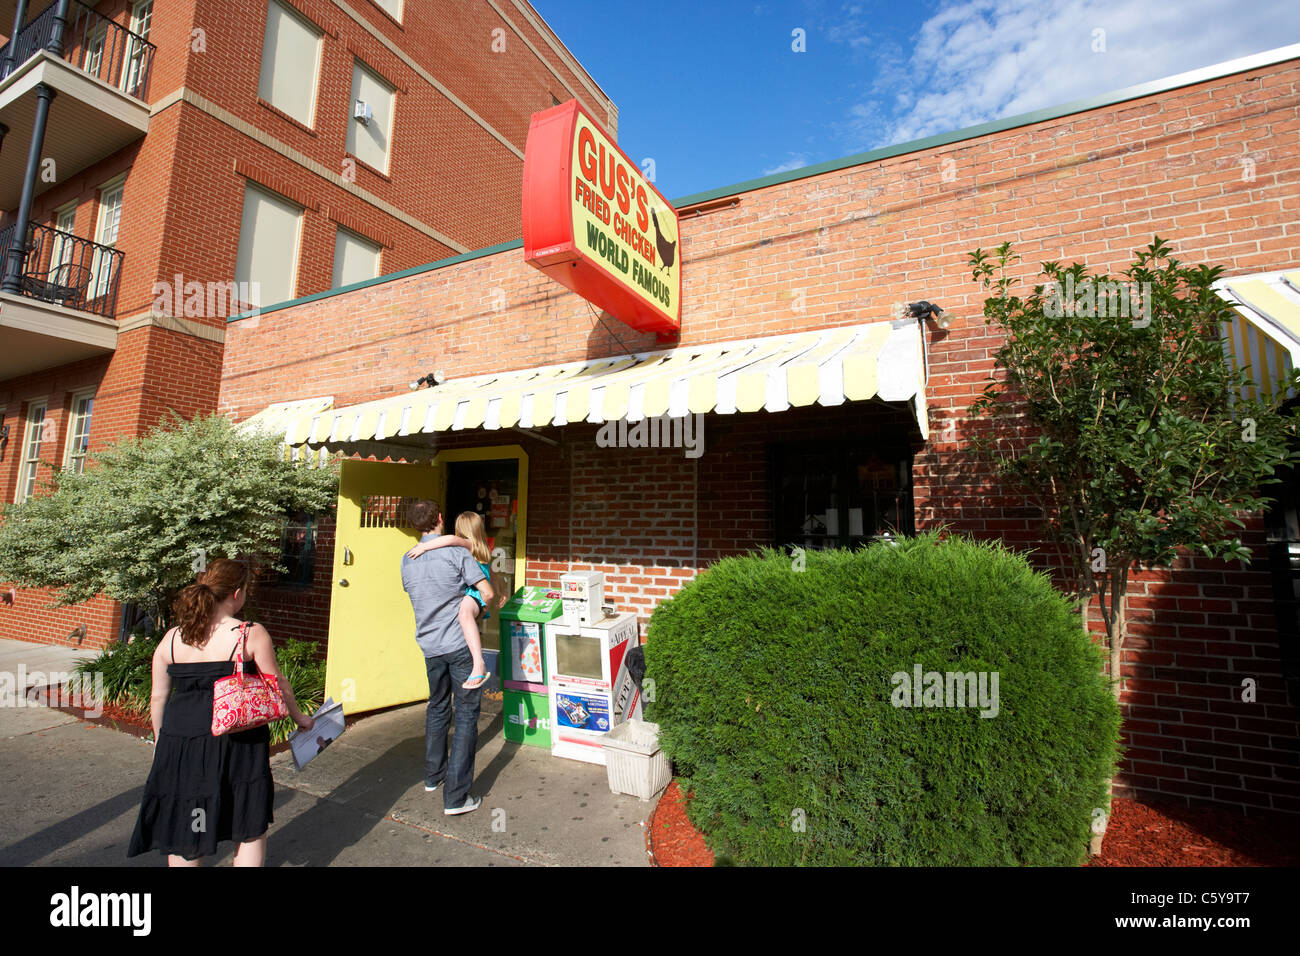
[290,63]
[355,259]
[840,497]
[298,549]
[368,137]
[1282,519]
[392,7]
[95,48]
[141,21]
[61,250]
[74,457]
[102,278]
[268,246]
[37,431]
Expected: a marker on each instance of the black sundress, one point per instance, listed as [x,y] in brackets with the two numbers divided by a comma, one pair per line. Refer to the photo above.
[227,777]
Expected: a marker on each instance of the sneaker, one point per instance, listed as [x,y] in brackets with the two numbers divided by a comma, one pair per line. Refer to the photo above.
[429,789]
[471,804]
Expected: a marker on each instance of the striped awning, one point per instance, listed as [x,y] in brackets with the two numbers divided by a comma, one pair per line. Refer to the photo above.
[274,419]
[1263,336]
[884,360]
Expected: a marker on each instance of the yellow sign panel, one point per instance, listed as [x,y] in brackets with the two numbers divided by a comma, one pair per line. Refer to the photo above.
[621,223]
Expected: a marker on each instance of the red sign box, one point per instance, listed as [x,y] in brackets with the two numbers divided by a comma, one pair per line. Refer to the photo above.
[594,224]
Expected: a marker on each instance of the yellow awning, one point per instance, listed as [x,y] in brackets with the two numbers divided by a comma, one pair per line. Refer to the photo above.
[1263,336]
[884,360]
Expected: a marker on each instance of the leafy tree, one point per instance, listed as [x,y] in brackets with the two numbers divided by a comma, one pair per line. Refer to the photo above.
[1138,443]
[149,512]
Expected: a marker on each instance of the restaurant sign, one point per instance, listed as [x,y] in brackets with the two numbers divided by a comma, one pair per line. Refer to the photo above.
[594,224]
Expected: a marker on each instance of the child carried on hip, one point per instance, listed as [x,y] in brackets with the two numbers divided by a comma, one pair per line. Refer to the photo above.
[470,534]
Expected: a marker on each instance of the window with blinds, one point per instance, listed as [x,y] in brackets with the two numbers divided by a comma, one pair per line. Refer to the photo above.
[269,233]
[368,138]
[355,259]
[290,63]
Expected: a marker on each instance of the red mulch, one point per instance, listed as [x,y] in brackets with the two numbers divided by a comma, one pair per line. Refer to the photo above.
[671,840]
[1137,834]
[1148,834]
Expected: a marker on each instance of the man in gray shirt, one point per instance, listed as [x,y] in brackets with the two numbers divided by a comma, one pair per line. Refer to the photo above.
[435,582]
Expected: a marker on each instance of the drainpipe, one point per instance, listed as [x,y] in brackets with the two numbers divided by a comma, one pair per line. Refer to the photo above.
[20,14]
[18,246]
[55,45]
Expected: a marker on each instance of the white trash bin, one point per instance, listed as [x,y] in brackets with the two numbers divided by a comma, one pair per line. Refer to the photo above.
[633,760]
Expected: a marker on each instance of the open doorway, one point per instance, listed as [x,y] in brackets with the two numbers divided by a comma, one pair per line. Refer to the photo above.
[491,488]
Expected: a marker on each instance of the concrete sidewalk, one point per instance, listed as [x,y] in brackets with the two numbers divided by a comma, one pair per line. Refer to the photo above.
[71,790]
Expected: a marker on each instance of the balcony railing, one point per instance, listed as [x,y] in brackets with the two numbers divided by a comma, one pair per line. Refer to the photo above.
[65,270]
[92,43]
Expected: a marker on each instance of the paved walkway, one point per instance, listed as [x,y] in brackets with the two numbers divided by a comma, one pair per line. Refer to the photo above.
[70,791]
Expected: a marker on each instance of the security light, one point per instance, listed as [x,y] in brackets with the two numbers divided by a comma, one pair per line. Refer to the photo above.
[925,310]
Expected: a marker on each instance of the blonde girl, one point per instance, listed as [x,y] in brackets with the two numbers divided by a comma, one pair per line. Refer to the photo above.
[470,534]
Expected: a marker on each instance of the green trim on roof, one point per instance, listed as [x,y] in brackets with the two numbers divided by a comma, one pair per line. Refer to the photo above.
[1190,78]
[378,280]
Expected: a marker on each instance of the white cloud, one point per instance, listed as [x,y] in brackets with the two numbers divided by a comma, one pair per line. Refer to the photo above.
[796,161]
[977,60]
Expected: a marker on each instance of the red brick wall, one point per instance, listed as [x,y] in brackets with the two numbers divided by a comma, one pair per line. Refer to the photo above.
[843,248]
[29,618]
[183,198]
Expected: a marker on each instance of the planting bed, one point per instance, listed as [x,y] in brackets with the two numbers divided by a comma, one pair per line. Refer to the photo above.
[1137,834]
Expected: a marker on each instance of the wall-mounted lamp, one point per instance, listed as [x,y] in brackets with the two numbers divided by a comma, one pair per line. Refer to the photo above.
[431,379]
[927,310]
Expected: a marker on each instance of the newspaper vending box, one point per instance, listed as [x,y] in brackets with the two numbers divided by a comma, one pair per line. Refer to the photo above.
[590,689]
[523,663]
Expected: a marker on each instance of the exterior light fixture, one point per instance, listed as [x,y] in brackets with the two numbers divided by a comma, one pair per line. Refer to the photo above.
[926,310]
[431,379]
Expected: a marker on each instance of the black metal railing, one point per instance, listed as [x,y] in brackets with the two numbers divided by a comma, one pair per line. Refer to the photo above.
[92,43]
[63,269]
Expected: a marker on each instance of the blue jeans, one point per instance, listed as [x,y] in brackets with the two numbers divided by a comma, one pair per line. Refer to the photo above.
[447,672]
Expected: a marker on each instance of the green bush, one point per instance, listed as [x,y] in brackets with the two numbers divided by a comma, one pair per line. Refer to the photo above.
[128,676]
[127,670]
[306,675]
[774,692]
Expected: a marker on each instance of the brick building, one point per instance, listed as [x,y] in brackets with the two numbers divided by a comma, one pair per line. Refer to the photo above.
[174,167]
[809,392]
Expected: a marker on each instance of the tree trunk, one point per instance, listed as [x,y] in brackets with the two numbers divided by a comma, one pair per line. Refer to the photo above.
[1115,643]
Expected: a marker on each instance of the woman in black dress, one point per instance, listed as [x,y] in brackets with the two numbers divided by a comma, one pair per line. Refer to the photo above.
[204,789]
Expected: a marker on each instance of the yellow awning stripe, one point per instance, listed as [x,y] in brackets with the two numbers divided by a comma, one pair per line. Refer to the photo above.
[1263,336]
[828,366]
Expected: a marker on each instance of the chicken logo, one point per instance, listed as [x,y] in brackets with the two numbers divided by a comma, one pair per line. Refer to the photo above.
[666,248]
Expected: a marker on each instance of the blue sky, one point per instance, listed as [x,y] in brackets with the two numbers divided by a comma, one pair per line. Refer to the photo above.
[715,94]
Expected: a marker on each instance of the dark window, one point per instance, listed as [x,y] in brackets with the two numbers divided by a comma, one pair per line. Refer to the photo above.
[298,549]
[1282,518]
[840,497]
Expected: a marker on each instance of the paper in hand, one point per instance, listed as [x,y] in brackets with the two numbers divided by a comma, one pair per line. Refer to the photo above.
[328,726]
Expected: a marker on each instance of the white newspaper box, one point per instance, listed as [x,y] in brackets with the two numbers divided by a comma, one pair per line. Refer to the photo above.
[590,690]
[583,593]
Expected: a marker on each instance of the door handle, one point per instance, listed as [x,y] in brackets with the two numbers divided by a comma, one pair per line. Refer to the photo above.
[347,556]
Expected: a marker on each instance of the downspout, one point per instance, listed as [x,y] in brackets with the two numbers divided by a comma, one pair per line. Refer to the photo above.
[18,245]
[13,265]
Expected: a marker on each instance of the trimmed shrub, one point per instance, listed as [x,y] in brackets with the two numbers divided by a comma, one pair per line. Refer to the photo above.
[779,698]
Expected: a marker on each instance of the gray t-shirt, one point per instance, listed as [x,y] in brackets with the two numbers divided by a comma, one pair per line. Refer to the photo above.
[435,583]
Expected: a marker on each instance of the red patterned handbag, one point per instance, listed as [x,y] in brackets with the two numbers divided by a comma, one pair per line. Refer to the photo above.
[242,702]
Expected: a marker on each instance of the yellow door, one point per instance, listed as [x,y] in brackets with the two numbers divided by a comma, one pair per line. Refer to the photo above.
[373,660]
